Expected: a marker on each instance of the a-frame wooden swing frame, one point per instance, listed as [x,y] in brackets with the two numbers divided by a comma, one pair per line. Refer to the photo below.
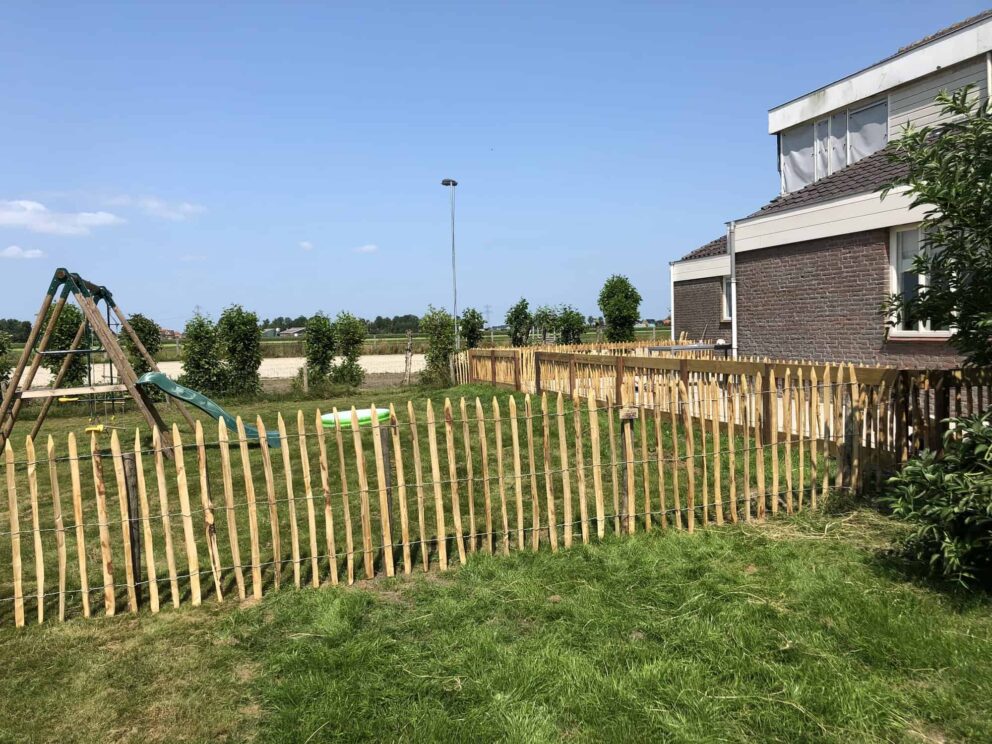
[87,295]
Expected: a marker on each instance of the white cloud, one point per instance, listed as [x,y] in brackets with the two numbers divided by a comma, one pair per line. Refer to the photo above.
[367,248]
[154,206]
[306,245]
[36,217]
[15,251]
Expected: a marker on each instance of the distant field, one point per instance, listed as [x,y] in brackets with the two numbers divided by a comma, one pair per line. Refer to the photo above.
[392,344]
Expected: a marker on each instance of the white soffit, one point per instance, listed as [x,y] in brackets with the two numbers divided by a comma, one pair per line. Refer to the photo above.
[959,46]
[701,268]
[825,220]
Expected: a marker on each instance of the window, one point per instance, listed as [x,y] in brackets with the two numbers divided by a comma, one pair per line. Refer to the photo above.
[905,246]
[798,169]
[810,151]
[727,301]
[868,131]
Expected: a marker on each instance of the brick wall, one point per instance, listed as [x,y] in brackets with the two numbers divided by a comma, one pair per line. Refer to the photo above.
[821,300]
[697,310]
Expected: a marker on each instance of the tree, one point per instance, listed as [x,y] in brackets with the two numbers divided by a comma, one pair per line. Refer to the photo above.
[6,363]
[439,328]
[620,304]
[203,366]
[948,170]
[471,326]
[241,344]
[150,335]
[519,320]
[570,325]
[18,330]
[65,331]
[349,337]
[545,321]
[318,345]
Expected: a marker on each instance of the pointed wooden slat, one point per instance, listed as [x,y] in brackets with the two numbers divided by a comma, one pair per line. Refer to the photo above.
[325,487]
[814,434]
[193,560]
[703,403]
[733,411]
[787,400]
[614,465]
[827,425]
[77,517]
[517,471]
[801,436]
[308,500]
[456,510]
[106,557]
[480,419]
[15,535]
[394,432]
[759,452]
[775,425]
[146,525]
[270,497]
[746,414]
[469,476]
[164,511]
[645,469]
[549,488]
[209,521]
[566,483]
[675,400]
[717,482]
[597,467]
[363,493]
[659,444]
[249,481]
[385,517]
[231,514]
[122,502]
[418,468]
[39,555]
[294,525]
[501,475]
[580,467]
[839,429]
[535,535]
[53,481]
[690,463]
[441,531]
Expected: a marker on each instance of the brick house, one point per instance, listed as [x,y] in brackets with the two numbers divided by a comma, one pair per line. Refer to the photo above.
[805,276]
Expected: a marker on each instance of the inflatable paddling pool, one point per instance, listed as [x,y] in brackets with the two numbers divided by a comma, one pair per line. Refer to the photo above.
[364,418]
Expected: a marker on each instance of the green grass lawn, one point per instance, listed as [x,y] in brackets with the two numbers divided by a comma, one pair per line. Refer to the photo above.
[790,631]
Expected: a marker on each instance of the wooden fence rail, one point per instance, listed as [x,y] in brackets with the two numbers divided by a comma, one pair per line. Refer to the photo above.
[107,529]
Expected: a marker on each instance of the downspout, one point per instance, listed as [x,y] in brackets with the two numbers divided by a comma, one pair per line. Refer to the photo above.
[731,227]
[671,299]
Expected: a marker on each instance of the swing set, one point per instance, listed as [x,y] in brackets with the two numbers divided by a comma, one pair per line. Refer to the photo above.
[98,334]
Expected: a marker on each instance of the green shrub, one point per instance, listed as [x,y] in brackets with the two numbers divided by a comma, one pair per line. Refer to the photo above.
[318,345]
[570,325]
[150,335]
[349,338]
[948,498]
[546,322]
[6,358]
[201,355]
[471,326]
[520,321]
[65,331]
[241,341]
[439,327]
[620,303]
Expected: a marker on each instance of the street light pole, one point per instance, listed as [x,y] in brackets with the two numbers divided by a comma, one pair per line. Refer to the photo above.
[450,182]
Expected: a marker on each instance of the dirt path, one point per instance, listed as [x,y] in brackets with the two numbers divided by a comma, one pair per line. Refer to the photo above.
[278,369]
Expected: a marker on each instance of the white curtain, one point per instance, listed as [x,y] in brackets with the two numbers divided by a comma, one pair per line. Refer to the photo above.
[797,157]
[868,131]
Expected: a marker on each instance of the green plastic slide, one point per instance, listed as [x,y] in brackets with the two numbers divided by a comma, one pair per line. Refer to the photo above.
[169,387]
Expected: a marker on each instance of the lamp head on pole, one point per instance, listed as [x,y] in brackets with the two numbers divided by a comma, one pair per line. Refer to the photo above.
[449,182]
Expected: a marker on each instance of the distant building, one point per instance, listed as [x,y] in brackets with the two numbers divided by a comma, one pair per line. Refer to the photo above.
[292,333]
[270,332]
[170,335]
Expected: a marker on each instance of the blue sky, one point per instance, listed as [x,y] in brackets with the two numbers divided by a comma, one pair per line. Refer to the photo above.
[287,156]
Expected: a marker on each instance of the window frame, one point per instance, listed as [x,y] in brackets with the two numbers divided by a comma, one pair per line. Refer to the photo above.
[894,332]
[726,311]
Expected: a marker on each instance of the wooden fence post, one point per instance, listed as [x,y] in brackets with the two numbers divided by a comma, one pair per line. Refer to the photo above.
[134,521]
[492,363]
[537,373]
[769,399]
[618,383]
[516,370]
[942,409]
